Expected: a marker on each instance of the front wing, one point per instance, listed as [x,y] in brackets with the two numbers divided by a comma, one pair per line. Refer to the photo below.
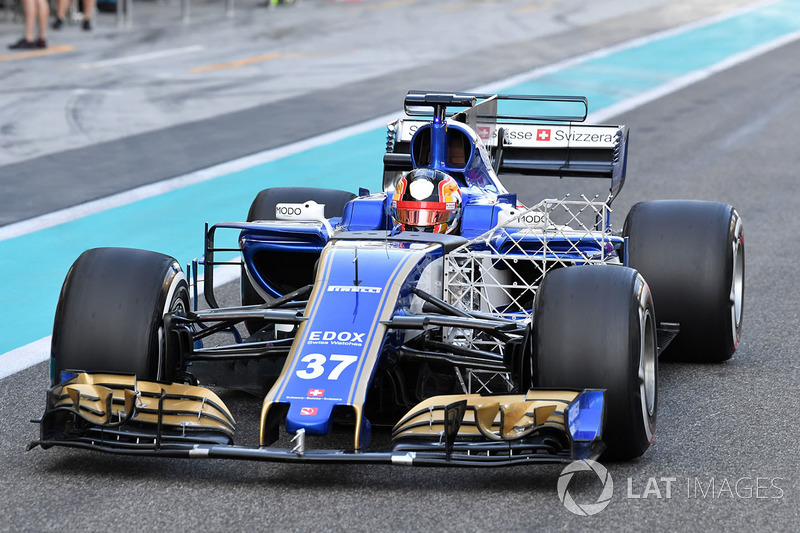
[120,414]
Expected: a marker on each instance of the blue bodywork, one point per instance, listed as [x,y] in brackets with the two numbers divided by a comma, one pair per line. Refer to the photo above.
[336,351]
[362,284]
[349,318]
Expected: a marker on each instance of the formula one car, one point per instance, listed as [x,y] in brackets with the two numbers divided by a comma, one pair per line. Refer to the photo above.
[483,332]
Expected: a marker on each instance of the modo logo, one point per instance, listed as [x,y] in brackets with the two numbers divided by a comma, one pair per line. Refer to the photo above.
[534,219]
[585,509]
[288,211]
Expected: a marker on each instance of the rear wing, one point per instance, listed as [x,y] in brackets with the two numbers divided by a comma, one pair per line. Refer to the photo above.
[552,142]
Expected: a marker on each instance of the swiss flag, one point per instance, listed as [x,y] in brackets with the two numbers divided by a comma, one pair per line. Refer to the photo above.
[316,392]
[308,411]
[542,135]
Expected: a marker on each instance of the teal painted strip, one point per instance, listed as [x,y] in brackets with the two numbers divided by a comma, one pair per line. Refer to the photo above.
[33,266]
[171,223]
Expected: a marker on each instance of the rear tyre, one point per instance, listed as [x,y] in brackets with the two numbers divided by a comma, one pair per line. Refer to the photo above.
[263,208]
[594,327]
[110,314]
[692,255]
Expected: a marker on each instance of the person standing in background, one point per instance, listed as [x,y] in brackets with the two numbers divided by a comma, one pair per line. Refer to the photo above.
[35,10]
[88,12]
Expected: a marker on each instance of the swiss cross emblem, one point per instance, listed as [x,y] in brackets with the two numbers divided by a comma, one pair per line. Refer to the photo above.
[484,132]
[308,411]
[543,135]
[316,392]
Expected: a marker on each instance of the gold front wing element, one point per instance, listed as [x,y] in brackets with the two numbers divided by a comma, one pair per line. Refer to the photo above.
[111,400]
[494,418]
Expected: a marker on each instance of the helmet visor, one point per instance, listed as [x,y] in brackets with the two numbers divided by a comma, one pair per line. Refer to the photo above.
[424,213]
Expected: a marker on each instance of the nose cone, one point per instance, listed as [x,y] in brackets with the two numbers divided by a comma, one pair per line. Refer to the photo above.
[311,414]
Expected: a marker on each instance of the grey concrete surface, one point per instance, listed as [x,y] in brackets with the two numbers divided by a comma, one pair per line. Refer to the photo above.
[113,112]
[730,138]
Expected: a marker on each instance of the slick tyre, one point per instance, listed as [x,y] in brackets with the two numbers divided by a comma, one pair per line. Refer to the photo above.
[263,208]
[110,314]
[692,255]
[594,327]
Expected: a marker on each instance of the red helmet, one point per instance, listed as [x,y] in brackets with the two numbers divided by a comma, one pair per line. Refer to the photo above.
[427,200]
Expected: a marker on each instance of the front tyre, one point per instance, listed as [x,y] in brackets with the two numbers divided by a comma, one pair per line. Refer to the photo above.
[110,314]
[692,255]
[594,327]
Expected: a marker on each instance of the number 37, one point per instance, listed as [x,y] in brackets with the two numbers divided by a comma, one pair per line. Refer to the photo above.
[315,365]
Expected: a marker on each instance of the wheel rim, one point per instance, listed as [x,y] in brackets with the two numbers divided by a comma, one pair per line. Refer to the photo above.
[172,305]
[647,365]
[737,283]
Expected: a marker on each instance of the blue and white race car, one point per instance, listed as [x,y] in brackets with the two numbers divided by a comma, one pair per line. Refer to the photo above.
[481,331]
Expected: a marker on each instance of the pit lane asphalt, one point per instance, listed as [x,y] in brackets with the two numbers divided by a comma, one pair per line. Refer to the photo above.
[730,138]
[80,124]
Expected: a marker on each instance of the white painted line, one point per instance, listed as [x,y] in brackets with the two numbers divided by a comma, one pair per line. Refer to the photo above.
[139,58]
[498,86]
[38,351]
[690,79]
[147,191]
[223,275]
[25,357]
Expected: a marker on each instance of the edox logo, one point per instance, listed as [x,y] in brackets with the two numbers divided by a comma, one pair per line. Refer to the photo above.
[337,337]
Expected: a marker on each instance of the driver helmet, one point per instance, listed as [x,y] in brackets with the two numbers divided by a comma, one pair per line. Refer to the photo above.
[427,200]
